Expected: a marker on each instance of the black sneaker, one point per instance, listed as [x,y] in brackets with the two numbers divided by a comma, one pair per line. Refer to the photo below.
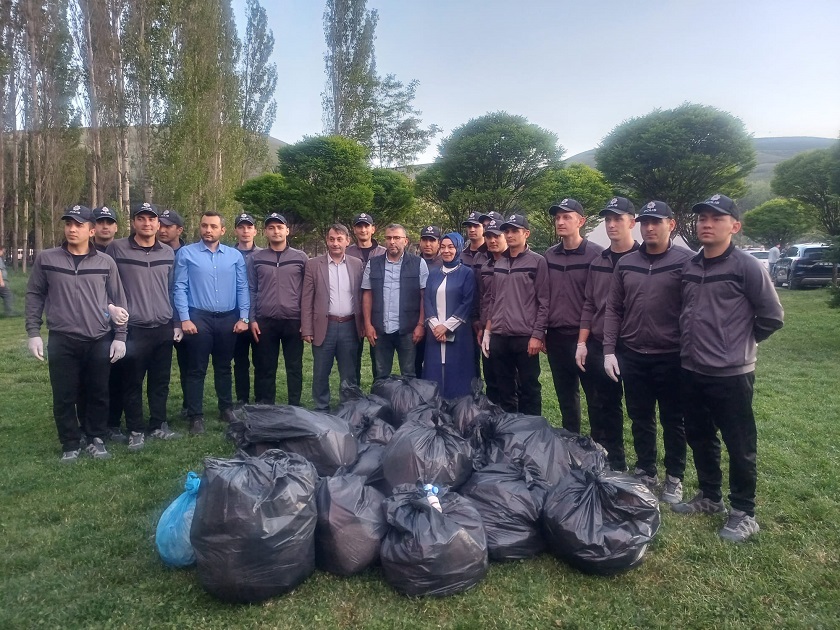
[672,490]
[97,450]
[196,425]
[115,434]
[700,505]
[227,416]
[739,527]
[70,457]
[136,441]
[164,433]
[652,482]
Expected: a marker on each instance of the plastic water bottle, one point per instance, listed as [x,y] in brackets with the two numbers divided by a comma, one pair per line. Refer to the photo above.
[431,496]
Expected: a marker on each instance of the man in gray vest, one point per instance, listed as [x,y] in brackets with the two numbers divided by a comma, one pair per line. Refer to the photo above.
[392,303]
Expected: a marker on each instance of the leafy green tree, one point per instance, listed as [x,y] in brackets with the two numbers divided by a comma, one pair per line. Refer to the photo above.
[263,195]
[808,177]
[680,156]
[488,164]
[778,221]
[327,179]
[351,69]
[393,196]
[397,135]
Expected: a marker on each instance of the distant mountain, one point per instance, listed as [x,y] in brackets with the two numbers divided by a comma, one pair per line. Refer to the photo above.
[769,152]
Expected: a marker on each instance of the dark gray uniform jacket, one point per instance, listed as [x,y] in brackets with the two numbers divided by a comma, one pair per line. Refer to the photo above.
[275,280]
[146,278]
[643,308]
[568,270]
[728,305]
[598,285]
[357,252]
[519,296]
[75,300]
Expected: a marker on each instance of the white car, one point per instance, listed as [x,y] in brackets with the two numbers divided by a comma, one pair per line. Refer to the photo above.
[762,256]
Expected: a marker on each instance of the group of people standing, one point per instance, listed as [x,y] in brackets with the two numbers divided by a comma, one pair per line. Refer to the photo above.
[652,324]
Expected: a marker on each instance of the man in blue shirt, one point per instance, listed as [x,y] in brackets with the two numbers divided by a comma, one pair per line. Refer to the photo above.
[212,301]
[392,303]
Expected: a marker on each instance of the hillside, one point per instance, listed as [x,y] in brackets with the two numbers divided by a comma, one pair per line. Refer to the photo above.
[769,152]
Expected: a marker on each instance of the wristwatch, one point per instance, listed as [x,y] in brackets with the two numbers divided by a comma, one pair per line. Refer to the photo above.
[245,320]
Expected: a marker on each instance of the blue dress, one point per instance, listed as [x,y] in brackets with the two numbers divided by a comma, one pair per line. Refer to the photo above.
[456,375]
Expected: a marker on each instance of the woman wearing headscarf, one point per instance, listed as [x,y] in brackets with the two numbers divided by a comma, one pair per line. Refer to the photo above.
[448,302]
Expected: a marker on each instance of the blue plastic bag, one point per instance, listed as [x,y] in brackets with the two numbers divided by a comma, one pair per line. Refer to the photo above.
[172,537]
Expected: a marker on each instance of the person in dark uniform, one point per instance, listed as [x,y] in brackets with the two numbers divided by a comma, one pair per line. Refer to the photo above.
[474,256]
[105,227]
[430,252]
[246,231]
[170,229]
[516,320]
[212,301]
[729,304]
[365,247]
[80,290]
[642,346]
[146,270]
[606,416]
[568,268]
[275,275]
[496,247]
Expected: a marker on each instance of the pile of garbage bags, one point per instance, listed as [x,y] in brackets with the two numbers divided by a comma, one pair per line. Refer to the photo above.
[427,490]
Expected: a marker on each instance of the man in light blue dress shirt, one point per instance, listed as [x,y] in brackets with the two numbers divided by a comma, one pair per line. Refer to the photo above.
[212,301]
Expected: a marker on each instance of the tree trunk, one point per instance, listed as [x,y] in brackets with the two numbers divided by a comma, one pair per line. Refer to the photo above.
[34,135]
[121,108]
[26,204]
[96,193]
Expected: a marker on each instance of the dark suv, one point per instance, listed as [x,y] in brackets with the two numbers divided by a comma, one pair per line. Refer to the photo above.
[803,265]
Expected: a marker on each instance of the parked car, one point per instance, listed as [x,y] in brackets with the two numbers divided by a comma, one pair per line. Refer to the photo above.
[762,256]
[803,264]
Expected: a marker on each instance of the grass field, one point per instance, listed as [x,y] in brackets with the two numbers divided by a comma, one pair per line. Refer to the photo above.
[78,551]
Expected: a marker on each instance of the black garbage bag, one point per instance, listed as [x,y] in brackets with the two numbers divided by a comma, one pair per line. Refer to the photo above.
[372,430]
[584,452]
[351,525]
[427,552]
[357,405]
[428,449]
[254,526]
[510,500]
[405,394]
[236,431]
[600,522]
[465,411]
[369,466]
[324,440]
[506,437]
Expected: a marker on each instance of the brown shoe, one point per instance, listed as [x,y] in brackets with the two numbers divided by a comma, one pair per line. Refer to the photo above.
[196,425]
[227,416]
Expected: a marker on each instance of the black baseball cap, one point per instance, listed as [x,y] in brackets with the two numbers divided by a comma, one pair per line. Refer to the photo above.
[473,219]
[170,217]
[431,231]
[104,212]
[516,221]
[245,218]
[619,205]
[494,227]
[719,203]
[490,216]
[144,207]
[275,216]
[363,218]
[656,209]
[80,214]
[566,205]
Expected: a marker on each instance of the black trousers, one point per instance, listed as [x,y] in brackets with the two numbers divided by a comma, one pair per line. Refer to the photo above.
[148,357]
[606,416]
[517,375]
[273,334]
[242,366]
[79,370]
[215,338]
[651,379]
[722,403]
[359,362]
[420,352]
[181,353]
[560,350]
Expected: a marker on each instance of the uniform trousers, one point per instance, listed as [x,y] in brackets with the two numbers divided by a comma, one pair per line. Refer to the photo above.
[273,334]
[148,357]
[560,349]
[242,354]
[517,374]
[606,416]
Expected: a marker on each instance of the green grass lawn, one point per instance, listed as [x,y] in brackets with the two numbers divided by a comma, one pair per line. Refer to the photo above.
[78,541]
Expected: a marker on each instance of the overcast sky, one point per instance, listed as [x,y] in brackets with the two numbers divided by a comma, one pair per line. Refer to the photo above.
[578,67]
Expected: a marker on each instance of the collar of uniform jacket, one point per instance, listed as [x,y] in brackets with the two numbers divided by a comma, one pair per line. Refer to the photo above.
[580,249]
[606,253]
[91,252]
[506,253]
[134,245]
[700,258]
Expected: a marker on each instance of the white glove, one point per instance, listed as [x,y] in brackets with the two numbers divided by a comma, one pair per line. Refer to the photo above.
[36,347]
[580,356]
[118,314]
[485,344]
[177,334]
[611,367]
[117,350]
